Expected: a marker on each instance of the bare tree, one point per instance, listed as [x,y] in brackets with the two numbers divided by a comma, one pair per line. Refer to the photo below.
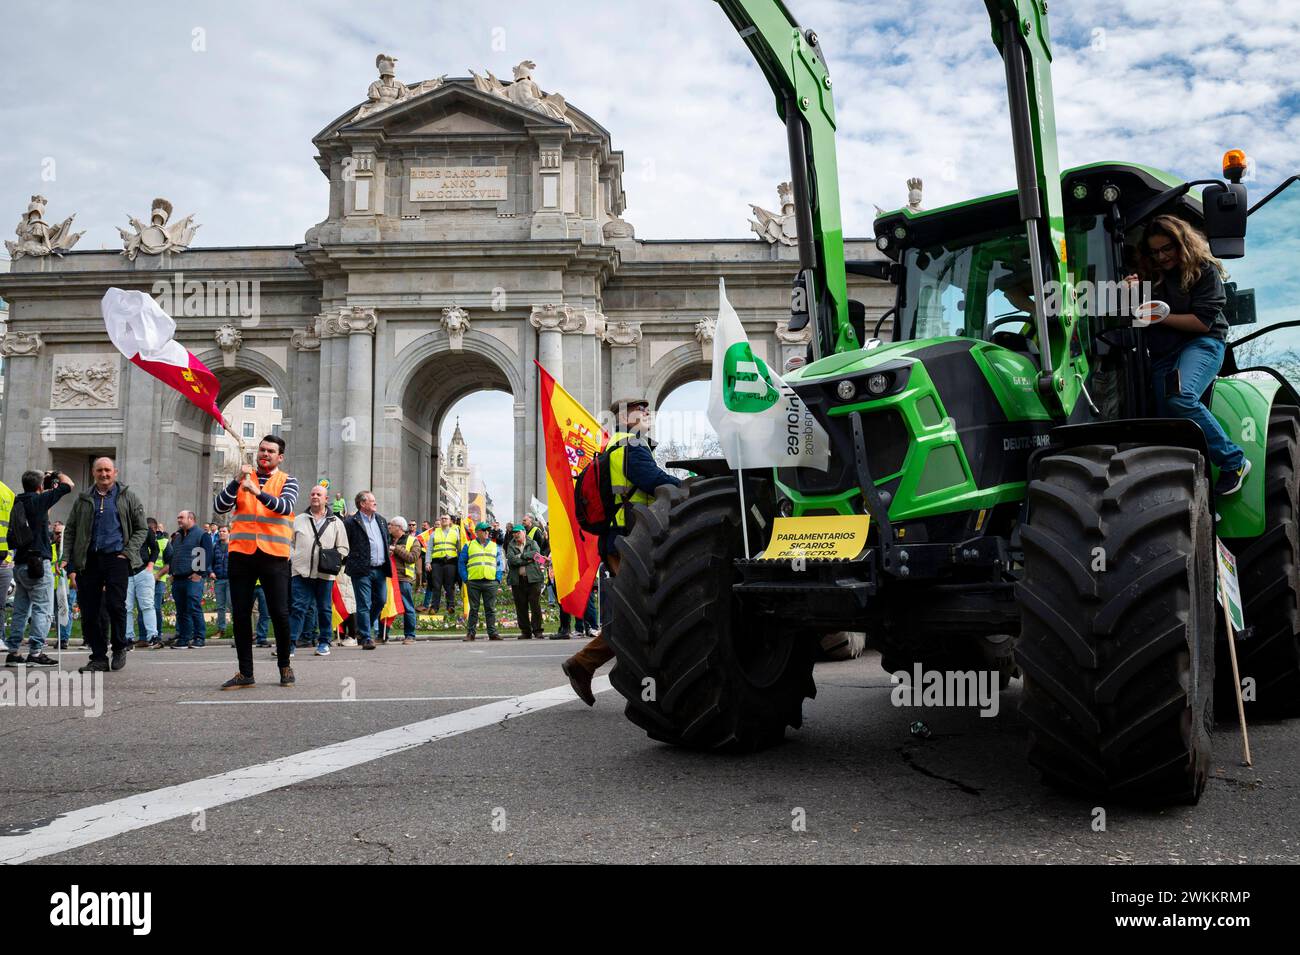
[705,446]
[1261,351]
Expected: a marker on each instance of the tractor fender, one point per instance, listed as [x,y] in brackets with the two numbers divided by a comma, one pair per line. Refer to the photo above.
[1242,405]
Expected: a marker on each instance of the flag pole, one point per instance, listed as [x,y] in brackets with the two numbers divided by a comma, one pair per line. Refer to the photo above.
[744,519]
[245,457]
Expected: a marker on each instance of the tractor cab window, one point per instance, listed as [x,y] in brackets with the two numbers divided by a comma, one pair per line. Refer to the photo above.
[968,286]
[978,285]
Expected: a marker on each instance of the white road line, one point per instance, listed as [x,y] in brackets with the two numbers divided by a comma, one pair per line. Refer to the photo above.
[82,827]
[378,699]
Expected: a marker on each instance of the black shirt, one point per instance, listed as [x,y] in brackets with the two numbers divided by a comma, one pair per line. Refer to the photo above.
[38,506]
[1205,299]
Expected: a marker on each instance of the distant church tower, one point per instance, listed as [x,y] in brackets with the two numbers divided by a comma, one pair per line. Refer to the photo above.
[456,471]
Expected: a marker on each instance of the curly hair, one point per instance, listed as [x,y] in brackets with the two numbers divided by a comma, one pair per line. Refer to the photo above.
[1192,249]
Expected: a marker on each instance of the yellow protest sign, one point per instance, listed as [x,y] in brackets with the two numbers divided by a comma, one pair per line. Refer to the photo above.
[836,536]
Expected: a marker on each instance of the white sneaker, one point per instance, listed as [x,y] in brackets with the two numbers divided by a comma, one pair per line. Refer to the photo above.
[349,642]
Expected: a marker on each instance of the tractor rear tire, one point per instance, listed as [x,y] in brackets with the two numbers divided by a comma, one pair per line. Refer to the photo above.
[1118,608]
[1268,570]
[694,669]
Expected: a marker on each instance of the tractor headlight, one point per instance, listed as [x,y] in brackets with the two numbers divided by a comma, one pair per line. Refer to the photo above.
[1080,191]
[1110,193]
[846,390]
[878,384]
[882,242]
[900,232]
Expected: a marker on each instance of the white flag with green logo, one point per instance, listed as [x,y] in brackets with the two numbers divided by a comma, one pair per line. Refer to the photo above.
[761,422]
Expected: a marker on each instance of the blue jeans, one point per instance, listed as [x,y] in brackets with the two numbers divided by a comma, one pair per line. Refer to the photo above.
[408,602]
[188,595]
[312,608]
[34,605]
[369,590]
[309,625]
[370,594]
[1198,363]
[139,595]
[159,594]
[263,614]
[6,578]
[221,592]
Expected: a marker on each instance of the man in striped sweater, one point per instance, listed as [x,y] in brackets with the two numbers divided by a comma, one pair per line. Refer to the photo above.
[261,533]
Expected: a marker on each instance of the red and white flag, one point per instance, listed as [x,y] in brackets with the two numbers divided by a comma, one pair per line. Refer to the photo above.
[144,333]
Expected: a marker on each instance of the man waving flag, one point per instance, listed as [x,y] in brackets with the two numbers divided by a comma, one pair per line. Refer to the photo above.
[761,422]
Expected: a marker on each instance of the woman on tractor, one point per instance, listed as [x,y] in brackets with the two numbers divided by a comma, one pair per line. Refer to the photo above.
[1187,346]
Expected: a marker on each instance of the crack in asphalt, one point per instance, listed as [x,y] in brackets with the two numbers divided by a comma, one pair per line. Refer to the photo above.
[356,837]
[911,763]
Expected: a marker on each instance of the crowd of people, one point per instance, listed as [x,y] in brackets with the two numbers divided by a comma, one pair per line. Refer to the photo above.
[296,566]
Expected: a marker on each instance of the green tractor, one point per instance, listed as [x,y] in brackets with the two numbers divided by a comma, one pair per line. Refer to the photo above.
[1028,514]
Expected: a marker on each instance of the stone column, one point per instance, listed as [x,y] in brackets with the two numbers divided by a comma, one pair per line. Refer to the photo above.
[357,433]
[551,322]
[333,381]
[624,340]
[22,418]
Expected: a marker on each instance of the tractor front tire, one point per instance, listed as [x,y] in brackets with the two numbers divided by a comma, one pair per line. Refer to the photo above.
[696,671]
[1118,622]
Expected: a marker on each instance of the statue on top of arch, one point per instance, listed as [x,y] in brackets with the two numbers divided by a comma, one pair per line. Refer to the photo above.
[524,91]
[38,237]
[388,90]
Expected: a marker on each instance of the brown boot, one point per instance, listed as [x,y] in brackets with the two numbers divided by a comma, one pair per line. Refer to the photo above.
[286,676]
[580,680]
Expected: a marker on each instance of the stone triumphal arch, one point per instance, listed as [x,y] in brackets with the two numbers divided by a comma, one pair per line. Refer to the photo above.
[473,227]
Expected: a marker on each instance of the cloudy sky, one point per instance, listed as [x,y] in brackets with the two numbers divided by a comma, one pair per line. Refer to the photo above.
[213,105]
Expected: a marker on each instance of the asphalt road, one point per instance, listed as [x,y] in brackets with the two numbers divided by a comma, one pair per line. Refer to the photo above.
[558,782]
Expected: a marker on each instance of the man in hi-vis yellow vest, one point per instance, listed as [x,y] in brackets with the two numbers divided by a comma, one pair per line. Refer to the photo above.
[6,559]
[480,572]
[633,476]
[444,550]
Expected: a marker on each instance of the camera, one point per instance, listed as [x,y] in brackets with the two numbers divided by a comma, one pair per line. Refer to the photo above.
[50,481]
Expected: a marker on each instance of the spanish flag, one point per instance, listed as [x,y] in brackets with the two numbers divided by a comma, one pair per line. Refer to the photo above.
[139,328]
[342,601]
[394,607]
[572,439]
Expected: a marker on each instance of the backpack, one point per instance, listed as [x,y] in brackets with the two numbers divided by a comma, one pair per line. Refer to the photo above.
[20,536]
[594,502]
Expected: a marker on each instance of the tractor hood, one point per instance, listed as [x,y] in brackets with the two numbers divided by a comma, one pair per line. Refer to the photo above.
[846,363]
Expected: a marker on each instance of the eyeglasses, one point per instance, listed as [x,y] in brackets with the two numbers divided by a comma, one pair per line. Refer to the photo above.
[1162,250]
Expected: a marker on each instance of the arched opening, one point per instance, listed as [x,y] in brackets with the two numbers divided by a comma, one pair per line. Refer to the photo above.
[477,478]
[681,423]
[444,385]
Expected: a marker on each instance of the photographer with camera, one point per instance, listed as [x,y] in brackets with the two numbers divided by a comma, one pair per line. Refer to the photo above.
[29,542]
